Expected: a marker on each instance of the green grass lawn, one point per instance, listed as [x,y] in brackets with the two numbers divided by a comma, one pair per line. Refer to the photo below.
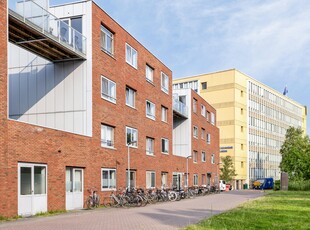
[276,210]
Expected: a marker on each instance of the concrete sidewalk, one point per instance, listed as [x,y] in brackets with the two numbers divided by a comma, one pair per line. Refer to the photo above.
[170,215]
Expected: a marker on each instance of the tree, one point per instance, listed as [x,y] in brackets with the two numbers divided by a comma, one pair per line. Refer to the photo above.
[227,169]
[295,153]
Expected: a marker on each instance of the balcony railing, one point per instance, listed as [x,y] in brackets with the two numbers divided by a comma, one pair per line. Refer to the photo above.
[42,21]
[180,108]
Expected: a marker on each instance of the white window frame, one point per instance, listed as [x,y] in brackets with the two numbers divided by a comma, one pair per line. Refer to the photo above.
[134,136]
[108,140]
[164,83]
[212,118]
[108,36]
[208,138]
[150,142]
[111,94]
[195,156]
[164,114]
[149,183]
[110,186]
[194,105]
[203,131]
[150,110]
[195,181]
[203,110]
[195,132]
[203,156]
[149,73]
[164,179]
[130,95]
[212,158]
[166,145]
[131,56]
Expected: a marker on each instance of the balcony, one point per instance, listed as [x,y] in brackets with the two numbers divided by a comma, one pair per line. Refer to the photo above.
[179,109]
[37,30]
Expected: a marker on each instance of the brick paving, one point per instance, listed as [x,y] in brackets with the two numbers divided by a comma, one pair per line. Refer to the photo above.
[170,215]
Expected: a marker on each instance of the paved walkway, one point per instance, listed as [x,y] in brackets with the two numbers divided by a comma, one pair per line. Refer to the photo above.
[170,215]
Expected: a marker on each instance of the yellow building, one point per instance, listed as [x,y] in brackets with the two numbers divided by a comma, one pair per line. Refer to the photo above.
[252,119]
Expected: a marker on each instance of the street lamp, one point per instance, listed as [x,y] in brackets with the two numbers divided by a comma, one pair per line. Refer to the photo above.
[128,176]
[190,156]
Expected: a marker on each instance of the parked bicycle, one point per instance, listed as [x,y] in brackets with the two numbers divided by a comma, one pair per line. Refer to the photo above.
[93,200]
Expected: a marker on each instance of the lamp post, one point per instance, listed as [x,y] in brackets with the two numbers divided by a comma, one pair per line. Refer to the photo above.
[128,152]
[190,156]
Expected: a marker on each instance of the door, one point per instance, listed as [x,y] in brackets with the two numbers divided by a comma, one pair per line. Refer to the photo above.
[74,188]
[177,181]
[32,189]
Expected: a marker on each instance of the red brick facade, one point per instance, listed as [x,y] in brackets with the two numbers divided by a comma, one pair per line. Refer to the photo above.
[20,142]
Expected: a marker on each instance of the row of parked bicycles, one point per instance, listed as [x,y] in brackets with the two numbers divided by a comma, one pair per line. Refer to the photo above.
[140,197]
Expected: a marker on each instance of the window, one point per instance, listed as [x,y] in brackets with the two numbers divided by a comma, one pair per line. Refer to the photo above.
[195,132]
[131,56]
[108,178]
[150,110]
[203,156]
[132,178]
[241,146]
[212,118]
[195,156]
[241,93]
[66,34]
[149,71]
[164,179]
[164,83]
[212,159]
[241,164]
[204,85]
[203,110]
[241,111]
[107,43]
[150,179]
[108,89]
[149,146]
[203,131]
[195,179]
[164,114]
[208,138]
[164,145]
[203,179]
[208,116]
[107,136]
[194,105]
[132,136]
[130,97]
[241,129]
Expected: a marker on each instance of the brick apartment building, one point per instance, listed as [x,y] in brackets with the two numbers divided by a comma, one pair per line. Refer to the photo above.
[75,89]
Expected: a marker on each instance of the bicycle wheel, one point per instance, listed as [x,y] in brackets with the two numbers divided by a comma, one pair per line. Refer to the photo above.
[89,203]
[172,195]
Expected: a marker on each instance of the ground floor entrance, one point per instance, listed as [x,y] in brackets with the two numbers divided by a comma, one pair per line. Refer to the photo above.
[32,188]
[74,188]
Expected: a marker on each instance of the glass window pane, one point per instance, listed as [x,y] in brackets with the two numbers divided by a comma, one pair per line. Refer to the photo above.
[69,184]
[78,181]
[25,181]
[39,180]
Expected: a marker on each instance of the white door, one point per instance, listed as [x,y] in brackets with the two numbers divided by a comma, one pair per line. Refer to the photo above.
[32,189]
[74,188]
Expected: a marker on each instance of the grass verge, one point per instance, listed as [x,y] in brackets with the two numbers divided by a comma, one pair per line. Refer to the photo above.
[276,210]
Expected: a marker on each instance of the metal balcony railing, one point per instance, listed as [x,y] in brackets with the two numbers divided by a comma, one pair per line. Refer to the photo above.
[34,28]
[180,108]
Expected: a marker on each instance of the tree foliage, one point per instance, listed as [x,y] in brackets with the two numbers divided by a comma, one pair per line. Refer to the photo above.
[227,169]
[295,153]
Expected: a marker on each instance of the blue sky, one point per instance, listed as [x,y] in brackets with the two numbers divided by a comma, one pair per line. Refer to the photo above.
[267,40]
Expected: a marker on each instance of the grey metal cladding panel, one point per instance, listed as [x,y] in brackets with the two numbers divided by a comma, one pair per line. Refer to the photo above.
[41,89]
[79,86]
[50,91]
[32,90]
[50,119]
[59,121]
[79,121]
[68,86]
[59,88]
[23,89]
[14,92]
